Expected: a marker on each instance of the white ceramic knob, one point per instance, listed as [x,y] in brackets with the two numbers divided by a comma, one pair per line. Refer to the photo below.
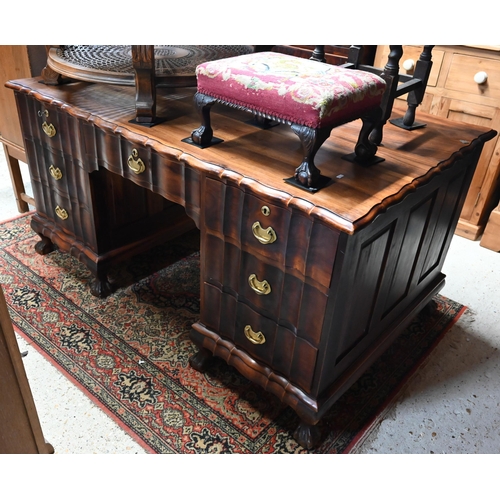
[409,64]
[481,77]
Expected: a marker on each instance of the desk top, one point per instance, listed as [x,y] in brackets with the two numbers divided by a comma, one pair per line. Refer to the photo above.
[259,160]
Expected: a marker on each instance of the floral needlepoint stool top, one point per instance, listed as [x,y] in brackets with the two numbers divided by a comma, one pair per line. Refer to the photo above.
[311,96]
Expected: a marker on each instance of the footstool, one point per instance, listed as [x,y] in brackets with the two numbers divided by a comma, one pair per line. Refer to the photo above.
[311,96]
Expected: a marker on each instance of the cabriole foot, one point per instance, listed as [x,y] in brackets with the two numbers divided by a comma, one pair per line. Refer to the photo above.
[307,435]
[201,360]
[44,246]
[101,288]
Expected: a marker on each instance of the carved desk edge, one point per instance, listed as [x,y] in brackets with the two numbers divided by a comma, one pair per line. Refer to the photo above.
[246,183]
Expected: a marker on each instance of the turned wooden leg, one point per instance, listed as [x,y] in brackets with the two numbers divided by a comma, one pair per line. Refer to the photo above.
[307,435]
[17,180]
[201,359]
[44,246]
[365,149]
[311,139]
[391,76]
[100,286]
[203,135]
[416,96]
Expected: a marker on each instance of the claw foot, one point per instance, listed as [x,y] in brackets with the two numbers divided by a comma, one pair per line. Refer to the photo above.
[307,435]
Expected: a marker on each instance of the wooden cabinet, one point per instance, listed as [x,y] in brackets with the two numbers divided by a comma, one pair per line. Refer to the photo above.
[454,93]
[491,236]
[16,61]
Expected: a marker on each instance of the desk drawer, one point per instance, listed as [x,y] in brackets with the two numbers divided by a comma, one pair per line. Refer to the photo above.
[67,213]
[259,225]
[260,337]
[285,238]
[272,292]
[55,170]
[50,126]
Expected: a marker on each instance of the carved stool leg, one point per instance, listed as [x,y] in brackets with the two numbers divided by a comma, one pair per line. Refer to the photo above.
[307,435]
[44,246]
[311,139]
[365,149]
[203,135]
[201,359]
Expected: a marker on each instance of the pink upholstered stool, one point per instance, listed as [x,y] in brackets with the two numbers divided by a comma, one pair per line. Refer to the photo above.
[311,96]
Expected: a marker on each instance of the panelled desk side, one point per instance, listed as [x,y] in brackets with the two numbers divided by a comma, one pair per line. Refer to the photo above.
[300,292]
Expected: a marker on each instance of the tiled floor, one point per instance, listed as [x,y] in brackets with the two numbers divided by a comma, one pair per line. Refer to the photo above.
[451,405]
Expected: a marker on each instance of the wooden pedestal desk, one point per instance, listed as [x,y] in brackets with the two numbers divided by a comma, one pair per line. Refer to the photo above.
[300,292]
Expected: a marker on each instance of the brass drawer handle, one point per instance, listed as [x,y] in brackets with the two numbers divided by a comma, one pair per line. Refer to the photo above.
[49,129]
[61,213]
[135,163]
[265,236]
[254,337]
[55,172]
[259,287]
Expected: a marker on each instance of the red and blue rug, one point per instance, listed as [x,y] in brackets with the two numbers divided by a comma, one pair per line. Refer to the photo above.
[129,353]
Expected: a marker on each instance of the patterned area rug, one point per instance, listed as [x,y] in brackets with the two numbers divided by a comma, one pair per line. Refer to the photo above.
[130,351]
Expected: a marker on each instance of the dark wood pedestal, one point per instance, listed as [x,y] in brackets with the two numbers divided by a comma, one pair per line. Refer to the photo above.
[300,292]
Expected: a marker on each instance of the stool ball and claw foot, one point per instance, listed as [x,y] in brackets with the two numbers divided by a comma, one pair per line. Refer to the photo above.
[307,174]
[203,136]
[366,148]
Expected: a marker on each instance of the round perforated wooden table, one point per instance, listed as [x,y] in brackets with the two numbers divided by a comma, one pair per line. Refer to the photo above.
[174,64]
[143,66]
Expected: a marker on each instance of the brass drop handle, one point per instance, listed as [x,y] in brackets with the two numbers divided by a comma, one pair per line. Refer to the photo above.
[264,236]
[259,287]
[55,172]
[61,213]
[254,337]
[49,129]
[135,163]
